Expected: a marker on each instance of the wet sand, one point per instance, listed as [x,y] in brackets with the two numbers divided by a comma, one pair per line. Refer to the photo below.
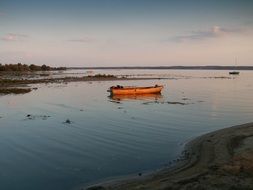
[217,160]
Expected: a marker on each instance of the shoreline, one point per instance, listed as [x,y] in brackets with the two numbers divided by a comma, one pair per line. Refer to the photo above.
[216,160]
[15,86]
[15,82]
[21,86]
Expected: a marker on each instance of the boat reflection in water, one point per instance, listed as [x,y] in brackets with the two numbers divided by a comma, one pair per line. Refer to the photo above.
[125,97]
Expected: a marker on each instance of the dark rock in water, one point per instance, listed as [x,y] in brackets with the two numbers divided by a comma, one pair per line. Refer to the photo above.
[68,121]
[139,174]
[28,115]
[116,102]
[178,103]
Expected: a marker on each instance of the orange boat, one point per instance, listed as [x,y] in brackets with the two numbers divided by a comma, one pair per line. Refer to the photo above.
[120,90]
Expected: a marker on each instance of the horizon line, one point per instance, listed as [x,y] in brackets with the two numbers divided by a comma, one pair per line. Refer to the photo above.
[204,67]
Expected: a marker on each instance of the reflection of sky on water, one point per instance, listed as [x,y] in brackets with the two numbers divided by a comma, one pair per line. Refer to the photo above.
[105,138]
[131,97]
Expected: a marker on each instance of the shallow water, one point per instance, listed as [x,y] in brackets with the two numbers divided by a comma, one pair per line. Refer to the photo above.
[109,137]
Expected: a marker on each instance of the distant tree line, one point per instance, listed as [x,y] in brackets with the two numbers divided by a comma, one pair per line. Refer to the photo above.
[24,67]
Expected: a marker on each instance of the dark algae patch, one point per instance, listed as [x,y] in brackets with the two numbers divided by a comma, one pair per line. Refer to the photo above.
[34,117]
[178,103]
[14,90]
[169,102]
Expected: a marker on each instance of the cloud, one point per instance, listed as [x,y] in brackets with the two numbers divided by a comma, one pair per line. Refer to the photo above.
[214,32]
[10,37]
[82,40]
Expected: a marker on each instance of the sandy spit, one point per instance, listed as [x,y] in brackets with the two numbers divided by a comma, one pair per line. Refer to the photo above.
[218,160]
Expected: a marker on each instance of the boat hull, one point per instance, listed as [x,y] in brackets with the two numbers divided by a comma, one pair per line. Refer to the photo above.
[136,90]
[234,73]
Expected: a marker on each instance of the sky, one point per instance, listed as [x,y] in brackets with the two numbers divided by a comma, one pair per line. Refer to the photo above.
[126,32]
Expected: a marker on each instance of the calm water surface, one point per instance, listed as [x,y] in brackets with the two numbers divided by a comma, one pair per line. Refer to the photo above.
[112,137]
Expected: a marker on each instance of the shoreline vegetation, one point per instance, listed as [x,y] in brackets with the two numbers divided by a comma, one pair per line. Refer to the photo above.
[26,68]
[217,160]
[16,86]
